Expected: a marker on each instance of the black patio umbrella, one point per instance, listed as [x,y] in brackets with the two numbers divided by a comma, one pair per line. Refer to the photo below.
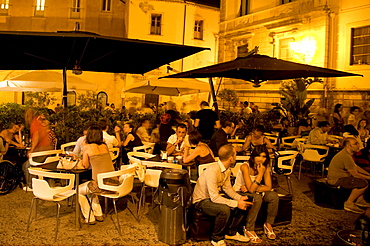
[83,51]
[258,68]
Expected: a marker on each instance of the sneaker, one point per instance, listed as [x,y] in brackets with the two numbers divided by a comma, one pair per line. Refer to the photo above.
[85,221]
[219,243]
[353,208]
[238,237]
[362,203]
[26,188]
[99,218]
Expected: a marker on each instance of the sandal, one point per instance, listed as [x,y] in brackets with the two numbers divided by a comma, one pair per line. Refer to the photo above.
[270,234]
[253,237]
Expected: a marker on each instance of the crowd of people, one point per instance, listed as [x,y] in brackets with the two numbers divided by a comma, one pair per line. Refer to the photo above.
[204,140]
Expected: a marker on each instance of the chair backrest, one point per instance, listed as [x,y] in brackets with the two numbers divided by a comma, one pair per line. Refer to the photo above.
[126,185]
[160,164]
[147,147]
[286,161]
[242,157]
[114,152]
[42,189]
[273,140]
[288,140]
[48,160]
[139,170]
[312,152]
[152,177]
[67,147]
[202,168]
[133,159]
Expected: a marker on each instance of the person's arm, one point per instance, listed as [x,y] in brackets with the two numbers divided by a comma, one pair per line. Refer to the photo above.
[251,185]
[196,123]
[268,144]
[299,130]
[356,174]
[247,143]
[267,186]
[234,131]
[362,171]
[117,131]
[85,157]
[193,155]
[34,141]
[129,138]
[10,141]
[218,125]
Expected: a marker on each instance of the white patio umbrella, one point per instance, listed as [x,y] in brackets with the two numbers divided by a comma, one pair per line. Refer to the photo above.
[44,81]
[168,86]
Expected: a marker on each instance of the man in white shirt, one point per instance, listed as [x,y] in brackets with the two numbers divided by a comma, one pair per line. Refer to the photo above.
[208,199]
[319,135]
[110,140]
[142,131]
[177,141]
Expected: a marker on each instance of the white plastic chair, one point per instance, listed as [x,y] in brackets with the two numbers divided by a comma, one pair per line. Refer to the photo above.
[287,142]
[273,140]
[53,156]
[43,191]
[285,164]
[160,164]
[117,191]
[311,154]
[147,147]
[202,168]
[67,146]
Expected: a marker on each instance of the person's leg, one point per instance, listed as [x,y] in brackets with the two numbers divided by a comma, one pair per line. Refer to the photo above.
[272,200]
[355,199]
[221,212]
[26,173]
[84,203]
[237,218]
[253,211]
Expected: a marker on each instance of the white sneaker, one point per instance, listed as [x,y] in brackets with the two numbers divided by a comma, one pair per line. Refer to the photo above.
[219,243]
[238,237]
[26,188]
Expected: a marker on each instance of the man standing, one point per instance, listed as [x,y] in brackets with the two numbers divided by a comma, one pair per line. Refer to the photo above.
[207,199]
[319,135]
[206,121]
[219,138]
[177,141]
[345,173]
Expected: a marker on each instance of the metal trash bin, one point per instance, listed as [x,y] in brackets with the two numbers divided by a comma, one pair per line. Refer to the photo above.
[173,196]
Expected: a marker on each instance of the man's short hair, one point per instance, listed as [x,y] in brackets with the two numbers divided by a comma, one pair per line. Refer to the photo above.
[353,108]
[142,121]
[323,124]
[226,123]
[226,151]
[204,103]
[102,123]
[246,103]
[347,141]
[182,126]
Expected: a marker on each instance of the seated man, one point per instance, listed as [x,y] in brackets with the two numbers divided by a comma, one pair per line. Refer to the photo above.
[110,140]
[208,199]
[319,135]
[219,138]
[345,173]
[142,131]
[178,141]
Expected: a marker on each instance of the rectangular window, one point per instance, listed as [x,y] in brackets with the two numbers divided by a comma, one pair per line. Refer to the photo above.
[244,7]
[40,8]
[4,7]
[155,24]
[285,52]
[76,9]
[198,29]
[106,5]
[360,45]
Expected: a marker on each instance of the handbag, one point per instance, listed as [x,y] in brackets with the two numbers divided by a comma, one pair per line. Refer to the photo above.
[68,163]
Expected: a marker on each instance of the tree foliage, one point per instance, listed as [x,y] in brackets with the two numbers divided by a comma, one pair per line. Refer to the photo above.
[39,99]
[229,96]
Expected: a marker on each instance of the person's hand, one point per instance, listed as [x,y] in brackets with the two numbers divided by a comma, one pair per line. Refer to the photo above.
[117,129]
[261,168]
[243,188]
[243,203]
[179,140]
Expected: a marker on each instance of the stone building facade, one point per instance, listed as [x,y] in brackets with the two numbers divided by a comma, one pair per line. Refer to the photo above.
[327,33]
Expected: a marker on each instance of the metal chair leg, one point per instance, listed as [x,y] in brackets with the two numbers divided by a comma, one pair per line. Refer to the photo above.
[90,204]
[141,201]
[115,209]
[289,182]
[300,168]
[29,217]
[57,222]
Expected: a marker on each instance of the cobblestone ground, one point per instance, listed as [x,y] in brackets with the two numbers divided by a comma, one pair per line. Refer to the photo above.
[311,224]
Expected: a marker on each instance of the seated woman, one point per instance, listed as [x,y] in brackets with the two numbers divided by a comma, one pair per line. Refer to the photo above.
[132,139]
[362,130]
[96,154]
[256,137]
[254,179]
[202,154]
[304,128]
[282,127]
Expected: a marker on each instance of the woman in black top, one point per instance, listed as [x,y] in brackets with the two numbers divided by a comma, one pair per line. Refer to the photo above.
[132,140]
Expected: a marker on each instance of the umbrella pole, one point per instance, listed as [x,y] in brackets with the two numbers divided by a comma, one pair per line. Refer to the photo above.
[213,96]
[64,100]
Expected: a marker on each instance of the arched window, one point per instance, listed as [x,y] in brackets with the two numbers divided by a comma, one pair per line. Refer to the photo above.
[102,100]
[71,98]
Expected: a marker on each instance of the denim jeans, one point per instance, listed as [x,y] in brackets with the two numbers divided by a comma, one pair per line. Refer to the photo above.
[272,198]
[227,221]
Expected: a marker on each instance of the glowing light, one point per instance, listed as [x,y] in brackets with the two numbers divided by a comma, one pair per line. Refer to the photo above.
[305,48]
